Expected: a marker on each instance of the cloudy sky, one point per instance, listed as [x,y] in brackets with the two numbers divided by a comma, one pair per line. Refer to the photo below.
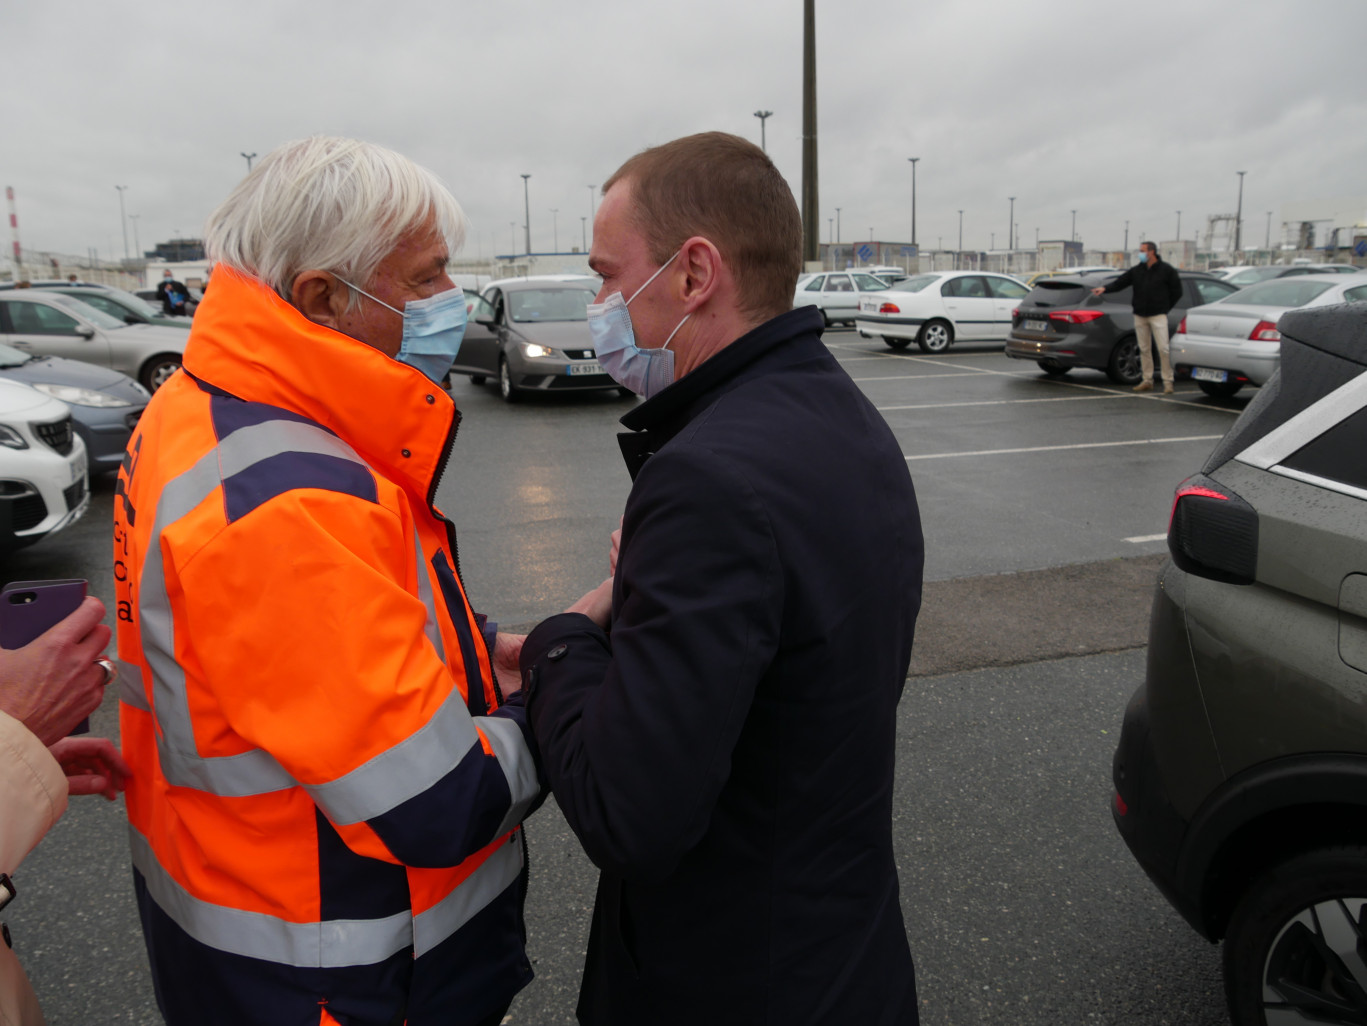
[1120,111]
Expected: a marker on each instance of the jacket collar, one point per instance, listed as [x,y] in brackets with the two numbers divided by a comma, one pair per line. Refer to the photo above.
[660,417]
[249,342]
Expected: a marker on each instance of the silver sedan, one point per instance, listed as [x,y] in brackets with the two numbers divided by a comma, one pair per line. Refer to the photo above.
[837,293]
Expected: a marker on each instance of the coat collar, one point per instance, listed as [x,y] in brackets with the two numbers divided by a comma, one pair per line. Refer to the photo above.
[249,342]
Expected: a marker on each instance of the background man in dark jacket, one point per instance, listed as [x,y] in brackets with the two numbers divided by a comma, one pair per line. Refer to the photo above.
[173,294]
[725,754]
[1157,289]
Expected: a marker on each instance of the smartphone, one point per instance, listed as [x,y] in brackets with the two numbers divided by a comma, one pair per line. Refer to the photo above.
[30,608]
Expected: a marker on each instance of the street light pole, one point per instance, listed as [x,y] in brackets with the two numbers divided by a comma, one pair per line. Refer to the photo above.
[584,228]
[250,157]
[837,226]
[1239,213]
[555,228]
[1074,236]
[137,246]
[527,212]
[763,116]
[1178,236]
[124,218]
[1010,226]
[913,200]
[959,252]
[1126,247]
[1267,243]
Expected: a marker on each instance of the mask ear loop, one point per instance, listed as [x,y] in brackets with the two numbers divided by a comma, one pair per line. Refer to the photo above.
[652,278]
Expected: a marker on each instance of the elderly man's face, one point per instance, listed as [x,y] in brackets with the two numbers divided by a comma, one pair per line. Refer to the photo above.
[415,269]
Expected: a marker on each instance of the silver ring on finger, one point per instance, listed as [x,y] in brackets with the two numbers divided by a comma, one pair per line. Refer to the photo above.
[111,671]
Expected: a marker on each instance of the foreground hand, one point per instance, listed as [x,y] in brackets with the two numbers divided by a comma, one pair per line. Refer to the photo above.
[612,552]
[92,765]
[507,653]
[53,682]
[596,604]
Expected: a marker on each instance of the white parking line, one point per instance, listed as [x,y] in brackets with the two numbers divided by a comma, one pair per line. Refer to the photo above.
[1060,448]
[1141,539]
[920,377]
[1000,402]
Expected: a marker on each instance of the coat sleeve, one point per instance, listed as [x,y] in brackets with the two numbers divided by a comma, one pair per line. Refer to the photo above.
[34,788]
[637,734]
[1124,281]
[302,622]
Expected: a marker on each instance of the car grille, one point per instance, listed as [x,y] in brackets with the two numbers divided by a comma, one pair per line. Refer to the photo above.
[74,493]
[579,354]
[27,512]
[57,434]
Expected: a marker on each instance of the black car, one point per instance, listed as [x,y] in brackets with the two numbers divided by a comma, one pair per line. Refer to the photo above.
[1061,325]
[1241,771]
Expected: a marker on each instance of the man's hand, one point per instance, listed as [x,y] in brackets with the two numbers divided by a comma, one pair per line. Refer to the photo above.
[92,765]
[53,682]
[507,652]
[612,551]
[1098,290]
[596,604]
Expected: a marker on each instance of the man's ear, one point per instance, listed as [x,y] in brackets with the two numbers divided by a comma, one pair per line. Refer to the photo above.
[703,271]
[321,297]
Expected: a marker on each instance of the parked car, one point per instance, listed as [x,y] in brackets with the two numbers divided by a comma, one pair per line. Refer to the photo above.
[937,309]
[1061,325]
[837,293]
[117,303]
[105,405]
[1241,771]
[43,482]
[1234,341]
[1245,276]
[53,324]
[888,273]
[532,335]
[1033,279]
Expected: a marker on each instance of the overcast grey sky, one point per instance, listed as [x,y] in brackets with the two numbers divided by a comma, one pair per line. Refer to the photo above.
[1118,110]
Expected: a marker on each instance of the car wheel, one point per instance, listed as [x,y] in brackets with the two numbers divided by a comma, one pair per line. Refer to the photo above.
[1294,950]
[1123,367]
[477,379]
[935,336]
[506,388]
[825,319]
[896,343]
[1220,389]
[156,371]
[1053,368]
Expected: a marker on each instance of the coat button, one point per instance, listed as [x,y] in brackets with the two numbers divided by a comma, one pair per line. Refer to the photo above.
[557,653]
[406,454]
[431,399]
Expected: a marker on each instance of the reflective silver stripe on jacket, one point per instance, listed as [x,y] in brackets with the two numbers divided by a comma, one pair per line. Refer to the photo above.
[494,876]
[333,943]
[510,749]
[432,627]
[130,686]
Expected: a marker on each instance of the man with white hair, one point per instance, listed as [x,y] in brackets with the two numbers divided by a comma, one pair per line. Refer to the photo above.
[328,779]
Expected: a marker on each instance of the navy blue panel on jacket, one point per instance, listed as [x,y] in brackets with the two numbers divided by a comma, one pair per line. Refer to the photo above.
[726,755]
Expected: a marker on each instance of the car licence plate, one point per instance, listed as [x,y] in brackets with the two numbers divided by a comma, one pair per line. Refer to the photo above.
[1208,374]
[868,305]
[589,367]
[1035,325]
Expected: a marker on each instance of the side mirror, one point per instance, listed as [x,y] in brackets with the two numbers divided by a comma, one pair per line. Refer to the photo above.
[85,333]
[488,322]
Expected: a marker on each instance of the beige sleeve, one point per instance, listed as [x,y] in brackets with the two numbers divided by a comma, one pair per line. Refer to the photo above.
[33,792]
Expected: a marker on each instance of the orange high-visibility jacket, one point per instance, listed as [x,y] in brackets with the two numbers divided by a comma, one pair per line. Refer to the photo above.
[326,795]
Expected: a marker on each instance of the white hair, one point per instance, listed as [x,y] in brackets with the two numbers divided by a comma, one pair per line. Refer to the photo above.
[327,204]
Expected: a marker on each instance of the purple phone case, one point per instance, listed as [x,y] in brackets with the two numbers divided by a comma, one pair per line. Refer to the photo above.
[30,608]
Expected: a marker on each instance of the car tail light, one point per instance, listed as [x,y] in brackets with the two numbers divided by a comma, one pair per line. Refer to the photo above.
[889,308]
[1265,331]
[1015,313]
[1213,533]
[1182,328]
[1076,316]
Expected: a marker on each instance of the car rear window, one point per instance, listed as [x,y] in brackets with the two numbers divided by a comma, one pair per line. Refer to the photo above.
[1058,292]
[1285,292]
[916,282]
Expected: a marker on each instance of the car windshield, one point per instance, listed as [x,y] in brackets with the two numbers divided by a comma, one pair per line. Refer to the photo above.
[11,357]
[1254,275]
[868,283]
[134,303]
[96,317]
[916,282]
[1283,292]
[529,305]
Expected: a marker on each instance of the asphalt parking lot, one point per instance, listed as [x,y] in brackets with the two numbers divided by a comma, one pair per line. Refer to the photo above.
[1044,504]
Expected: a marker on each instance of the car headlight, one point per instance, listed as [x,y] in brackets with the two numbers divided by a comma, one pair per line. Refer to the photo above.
[534,351]
[11,438]
[81,396]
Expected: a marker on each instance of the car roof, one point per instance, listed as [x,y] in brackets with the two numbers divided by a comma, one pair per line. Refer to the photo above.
[1339,330]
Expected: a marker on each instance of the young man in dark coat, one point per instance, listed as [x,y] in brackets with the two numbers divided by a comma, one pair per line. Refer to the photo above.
[173,294]
[1157,289]
[718,718]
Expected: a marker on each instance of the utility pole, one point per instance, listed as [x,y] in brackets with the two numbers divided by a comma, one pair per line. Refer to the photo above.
[250,157]
[527,212]
[961,240]
[811,205]
[837,226]
[1239,213]
[1267,244]
[124,218]
[1074,213]
[1010,226]
[137,246]
[763,116]
[1126,247]
[555,228]
[1178,236]
[584,228]
[913,200]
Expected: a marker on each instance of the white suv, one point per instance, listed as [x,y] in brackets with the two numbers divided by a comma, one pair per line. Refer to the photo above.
[43,482]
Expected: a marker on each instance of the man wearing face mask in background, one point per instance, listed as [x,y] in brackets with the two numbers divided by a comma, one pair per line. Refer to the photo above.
[328,779]
[1157,289]
[718,719]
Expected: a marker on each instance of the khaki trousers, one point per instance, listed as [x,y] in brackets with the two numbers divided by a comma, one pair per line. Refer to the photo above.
[1155,329]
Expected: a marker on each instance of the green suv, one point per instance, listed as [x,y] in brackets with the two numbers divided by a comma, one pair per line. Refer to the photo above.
[1241,774]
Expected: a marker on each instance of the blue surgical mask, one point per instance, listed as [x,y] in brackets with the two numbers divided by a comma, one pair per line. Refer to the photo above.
[432,329]
[644,371]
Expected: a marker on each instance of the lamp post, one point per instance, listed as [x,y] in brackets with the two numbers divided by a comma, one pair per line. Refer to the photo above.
[137,246]
[250,157]
[584,228]
[1074,235]
[1010,225]
[763,116]
[555,228]
[837,226]
[913,200]
[124,218]
[527,212]
[1126,247]
[1239,213]
[1178,236]
[1267,243]
[959,252]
